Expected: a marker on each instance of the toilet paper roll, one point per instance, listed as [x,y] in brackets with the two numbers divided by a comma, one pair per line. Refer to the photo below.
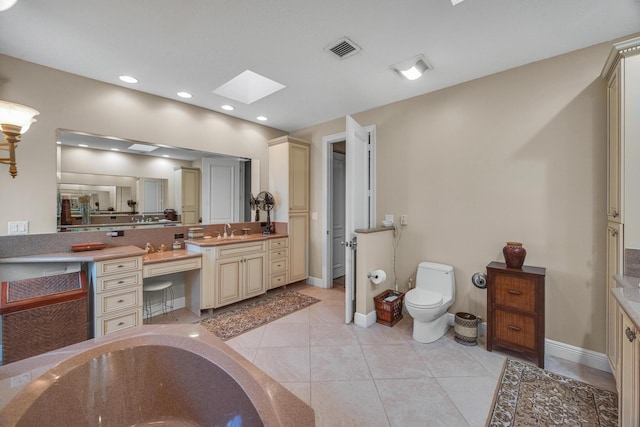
[378,276]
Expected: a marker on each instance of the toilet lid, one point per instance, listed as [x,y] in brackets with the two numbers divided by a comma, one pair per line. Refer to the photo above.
[422,298]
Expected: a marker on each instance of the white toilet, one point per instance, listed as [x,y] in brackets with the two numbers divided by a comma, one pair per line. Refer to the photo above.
[428,302]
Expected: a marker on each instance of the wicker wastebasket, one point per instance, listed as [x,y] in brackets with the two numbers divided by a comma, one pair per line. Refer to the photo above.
[466,329]
[389,307]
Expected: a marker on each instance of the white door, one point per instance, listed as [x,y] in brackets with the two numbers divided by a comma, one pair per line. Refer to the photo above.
[338,218]
[357,203]
[220,189]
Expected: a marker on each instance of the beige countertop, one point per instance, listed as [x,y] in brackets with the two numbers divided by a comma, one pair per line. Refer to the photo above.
[214,241]
[165,256]
[628,296]
[85,256]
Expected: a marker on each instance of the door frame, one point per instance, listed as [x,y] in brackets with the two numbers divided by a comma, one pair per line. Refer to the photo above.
[327,222]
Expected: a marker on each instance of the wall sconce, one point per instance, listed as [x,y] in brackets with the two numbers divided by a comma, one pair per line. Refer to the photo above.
[15,120]
[413,68]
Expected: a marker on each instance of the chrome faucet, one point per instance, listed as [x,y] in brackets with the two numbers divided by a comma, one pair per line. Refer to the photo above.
[225,230]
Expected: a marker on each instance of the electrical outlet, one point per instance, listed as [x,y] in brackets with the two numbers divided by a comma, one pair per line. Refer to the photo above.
[18,227]
[403,220]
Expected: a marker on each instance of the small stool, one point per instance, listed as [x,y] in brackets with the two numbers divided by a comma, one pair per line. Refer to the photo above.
[164,286]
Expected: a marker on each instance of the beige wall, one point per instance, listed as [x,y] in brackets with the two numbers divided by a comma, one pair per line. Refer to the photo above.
[71,102]
[516,156]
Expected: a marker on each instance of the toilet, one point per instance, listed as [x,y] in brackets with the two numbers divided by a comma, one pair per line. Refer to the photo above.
[428,302]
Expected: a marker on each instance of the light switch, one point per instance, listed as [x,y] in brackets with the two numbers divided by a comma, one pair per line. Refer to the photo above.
[18,227]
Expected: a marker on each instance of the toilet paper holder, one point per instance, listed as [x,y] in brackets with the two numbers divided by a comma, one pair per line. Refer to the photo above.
[377,276]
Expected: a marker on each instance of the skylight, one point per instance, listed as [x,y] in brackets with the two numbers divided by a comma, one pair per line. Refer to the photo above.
[248,87]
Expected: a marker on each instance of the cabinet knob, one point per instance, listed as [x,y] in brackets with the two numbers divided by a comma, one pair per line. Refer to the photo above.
[512,292]
[614,214]
[120,301]
[630,334]
[514,328]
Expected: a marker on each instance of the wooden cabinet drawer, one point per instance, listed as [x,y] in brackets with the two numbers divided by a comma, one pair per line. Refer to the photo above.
[515,292]
[119,322]
[118,265]
[279,254]
[240,249]
[277,280]
[515,328]
[278,266]
[112,283]
[168,267]
[278,243]
[111,302]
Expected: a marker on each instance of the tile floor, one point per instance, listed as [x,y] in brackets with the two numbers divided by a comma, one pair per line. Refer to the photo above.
[379,376]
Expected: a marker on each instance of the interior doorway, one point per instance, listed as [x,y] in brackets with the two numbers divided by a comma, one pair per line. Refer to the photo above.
[338,237]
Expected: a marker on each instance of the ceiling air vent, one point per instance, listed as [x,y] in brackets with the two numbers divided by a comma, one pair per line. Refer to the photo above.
[344,48]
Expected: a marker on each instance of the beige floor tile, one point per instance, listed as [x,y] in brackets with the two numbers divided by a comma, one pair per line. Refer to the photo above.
[284,364]
[378,334]
[418,402]
[330,363]
[332,334]
[473,396]
[300,316]
[447,358]
[347,404]
[250,339]
[285,335]
[326,313]
[394,361]
[580,372]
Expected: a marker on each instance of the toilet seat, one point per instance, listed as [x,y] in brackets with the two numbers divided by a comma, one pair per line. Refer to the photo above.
[421,298]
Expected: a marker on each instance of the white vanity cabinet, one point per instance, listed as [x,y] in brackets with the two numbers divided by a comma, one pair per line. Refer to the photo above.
[289,179]
[231,272]
[629,378]
[278,262]
[117,296]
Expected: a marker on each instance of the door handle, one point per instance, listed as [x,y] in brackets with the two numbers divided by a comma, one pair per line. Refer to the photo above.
[630,334]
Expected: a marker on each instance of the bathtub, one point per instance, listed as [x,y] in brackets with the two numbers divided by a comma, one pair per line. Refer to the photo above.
[178,375]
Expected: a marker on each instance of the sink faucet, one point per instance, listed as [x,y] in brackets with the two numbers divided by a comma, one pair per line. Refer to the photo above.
[225,230]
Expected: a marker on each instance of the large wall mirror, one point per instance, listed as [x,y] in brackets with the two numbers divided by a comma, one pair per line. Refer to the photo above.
[108,182]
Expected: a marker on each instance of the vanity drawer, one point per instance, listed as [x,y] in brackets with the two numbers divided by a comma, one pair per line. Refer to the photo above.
[167,267]
[277,280]
[282,253]
[118,265]
[113,302]
[278,266]
[278,243]
[117,323]
[112,283]
[240,249]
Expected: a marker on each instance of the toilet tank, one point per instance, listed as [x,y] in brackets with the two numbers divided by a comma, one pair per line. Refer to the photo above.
[436,278]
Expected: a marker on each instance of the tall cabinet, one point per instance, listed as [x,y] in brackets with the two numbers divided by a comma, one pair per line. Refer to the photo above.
[622,74]
[289,183]
[187,194]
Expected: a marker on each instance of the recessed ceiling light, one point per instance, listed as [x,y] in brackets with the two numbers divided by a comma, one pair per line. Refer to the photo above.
[184,95]
[6,4]
[228,107]
[413,68]
[262,118]
[115,149]
[128,79]
[83,145]
[142,147]
[455,2]
[58,142]
[166,155]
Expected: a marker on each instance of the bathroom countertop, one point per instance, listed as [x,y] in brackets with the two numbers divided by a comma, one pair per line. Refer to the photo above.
[628,296]
[165,256]
[86,256]
[213,241]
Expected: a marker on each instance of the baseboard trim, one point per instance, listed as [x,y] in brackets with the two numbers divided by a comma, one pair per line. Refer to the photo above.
[580,355]
[316,281]
[364,321]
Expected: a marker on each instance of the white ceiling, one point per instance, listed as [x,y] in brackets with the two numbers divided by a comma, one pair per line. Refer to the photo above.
[197,45]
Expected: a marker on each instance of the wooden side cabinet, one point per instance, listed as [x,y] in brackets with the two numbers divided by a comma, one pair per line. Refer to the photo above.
[515,309]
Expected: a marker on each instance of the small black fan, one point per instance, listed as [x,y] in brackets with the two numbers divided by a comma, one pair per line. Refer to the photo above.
[264,202]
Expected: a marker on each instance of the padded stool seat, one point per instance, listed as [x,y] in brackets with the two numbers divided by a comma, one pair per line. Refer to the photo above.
[166,297]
